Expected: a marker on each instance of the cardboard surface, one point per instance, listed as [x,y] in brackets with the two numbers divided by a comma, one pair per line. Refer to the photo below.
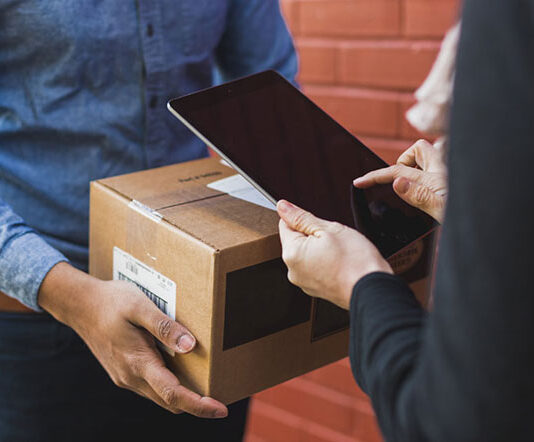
[254,329]
[223,254]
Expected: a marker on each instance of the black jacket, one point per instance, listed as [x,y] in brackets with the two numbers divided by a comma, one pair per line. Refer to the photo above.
[465,372]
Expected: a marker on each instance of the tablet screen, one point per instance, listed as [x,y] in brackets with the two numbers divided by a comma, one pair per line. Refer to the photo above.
[292,150]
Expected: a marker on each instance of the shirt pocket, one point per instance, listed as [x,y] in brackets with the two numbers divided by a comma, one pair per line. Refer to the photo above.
[202,24]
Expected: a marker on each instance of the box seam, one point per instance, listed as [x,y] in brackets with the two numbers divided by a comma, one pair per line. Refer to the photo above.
[163,217]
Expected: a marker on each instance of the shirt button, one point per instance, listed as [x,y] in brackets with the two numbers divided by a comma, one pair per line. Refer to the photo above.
[149,30]
[153,102]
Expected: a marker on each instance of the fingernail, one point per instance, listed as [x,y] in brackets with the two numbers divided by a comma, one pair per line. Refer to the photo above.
[185,343]
[221,413]
[403,185]
[285,206]
[356,181]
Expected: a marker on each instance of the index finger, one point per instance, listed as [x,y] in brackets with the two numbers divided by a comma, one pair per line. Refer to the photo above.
[386,175]
[422,154]
[176,396]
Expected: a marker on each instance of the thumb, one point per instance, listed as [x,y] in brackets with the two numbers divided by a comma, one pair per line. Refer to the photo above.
[298,219]
[420,196]
[169,332]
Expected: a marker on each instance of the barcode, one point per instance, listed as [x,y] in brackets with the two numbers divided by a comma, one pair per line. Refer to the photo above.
[131,267]
[160,303]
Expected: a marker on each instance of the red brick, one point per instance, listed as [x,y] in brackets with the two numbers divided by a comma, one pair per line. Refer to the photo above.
[324,406]
[365,426]
[252,438]
[345,362]
[344,18]
[338,377]
[399,65]
[360,111]
[317,61]
[334,413]
[363,421]
[290,13]
[313,432]
[429,18]
[271,424]
[387,149]
[407,131]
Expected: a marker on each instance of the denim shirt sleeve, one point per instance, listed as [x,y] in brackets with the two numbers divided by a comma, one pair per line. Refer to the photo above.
[25,258]
[256,38]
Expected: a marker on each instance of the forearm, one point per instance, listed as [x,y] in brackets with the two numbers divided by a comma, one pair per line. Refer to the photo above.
[386,326]
[25,258]
[66,290]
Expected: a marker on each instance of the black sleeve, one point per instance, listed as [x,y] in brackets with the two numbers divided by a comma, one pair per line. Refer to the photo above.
[465,372]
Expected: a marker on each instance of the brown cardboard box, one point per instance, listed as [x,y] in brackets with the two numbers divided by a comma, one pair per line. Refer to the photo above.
[219,257]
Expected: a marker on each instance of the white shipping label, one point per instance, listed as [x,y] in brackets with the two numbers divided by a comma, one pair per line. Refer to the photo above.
[160,289]
[239,187]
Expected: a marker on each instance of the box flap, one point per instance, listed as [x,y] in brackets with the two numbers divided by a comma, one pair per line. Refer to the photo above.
[223,222]
[179,194]
[170,185]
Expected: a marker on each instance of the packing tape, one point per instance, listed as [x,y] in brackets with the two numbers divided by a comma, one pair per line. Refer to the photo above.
[145,210]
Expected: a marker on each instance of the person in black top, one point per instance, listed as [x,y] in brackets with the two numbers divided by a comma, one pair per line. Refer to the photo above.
[464,371]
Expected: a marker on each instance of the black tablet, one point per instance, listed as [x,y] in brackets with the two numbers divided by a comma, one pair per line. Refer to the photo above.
[289,148]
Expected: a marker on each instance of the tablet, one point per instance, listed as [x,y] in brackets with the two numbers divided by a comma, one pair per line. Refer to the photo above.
[289,148]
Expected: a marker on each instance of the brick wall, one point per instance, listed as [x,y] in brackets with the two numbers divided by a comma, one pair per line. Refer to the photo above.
[361,61]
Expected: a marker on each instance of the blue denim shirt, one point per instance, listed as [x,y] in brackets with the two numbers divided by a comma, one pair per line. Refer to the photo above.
[83,92]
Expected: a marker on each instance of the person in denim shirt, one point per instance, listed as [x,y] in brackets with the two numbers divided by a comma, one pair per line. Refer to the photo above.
[83,88]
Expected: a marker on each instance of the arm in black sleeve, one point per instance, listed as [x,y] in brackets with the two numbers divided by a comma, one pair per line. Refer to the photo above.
[385,332]
[465,372]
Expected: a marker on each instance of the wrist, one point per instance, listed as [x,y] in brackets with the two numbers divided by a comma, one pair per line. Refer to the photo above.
[65,292]
[352,278]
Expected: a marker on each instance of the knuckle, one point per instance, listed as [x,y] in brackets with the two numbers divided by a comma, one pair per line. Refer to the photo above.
[169,395]
[119,287]
[422,195]
[397,170]
[404,159]
[173,407]
[288,256]
[196,409]
[423,148]
[336,227]
[134,306]
[120,381]
[293,277]
[135,364]
[300,220]
[421,142]
[164,328]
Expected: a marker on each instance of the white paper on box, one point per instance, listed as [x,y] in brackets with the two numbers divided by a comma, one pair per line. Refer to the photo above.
[157,287]
[239,187]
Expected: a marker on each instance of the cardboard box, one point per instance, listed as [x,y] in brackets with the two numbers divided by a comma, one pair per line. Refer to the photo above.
[213,261]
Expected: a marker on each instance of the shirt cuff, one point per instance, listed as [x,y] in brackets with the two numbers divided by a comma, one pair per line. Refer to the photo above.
[377,283]
[24,263]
